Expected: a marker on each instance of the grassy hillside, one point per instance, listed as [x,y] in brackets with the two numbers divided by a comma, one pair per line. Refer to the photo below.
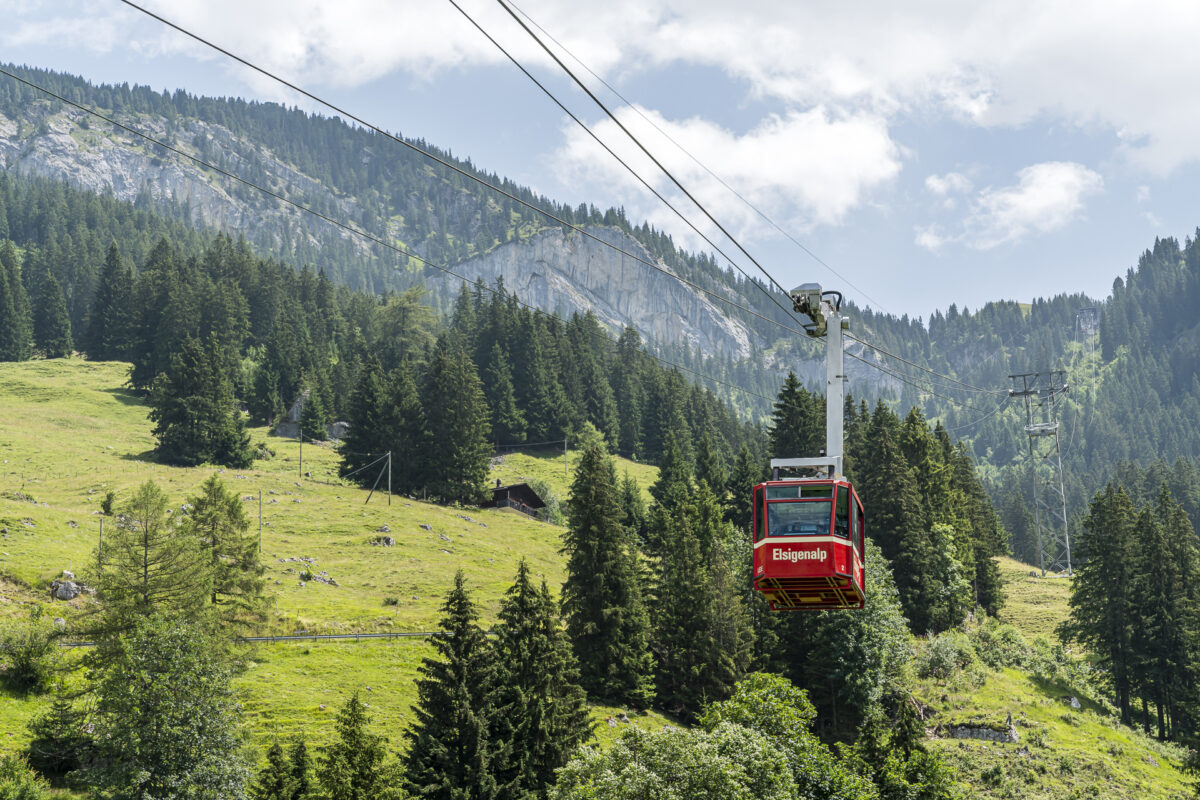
[70,433]
[1063,752]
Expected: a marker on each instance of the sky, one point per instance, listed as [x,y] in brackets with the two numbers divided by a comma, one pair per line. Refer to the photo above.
[924,154]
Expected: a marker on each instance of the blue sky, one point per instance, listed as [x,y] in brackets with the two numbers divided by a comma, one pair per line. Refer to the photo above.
[932,153]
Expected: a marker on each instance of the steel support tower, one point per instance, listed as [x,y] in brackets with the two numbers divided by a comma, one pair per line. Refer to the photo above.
[1042,392]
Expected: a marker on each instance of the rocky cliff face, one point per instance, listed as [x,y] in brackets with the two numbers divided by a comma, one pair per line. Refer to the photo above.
[569,272]
[552,270]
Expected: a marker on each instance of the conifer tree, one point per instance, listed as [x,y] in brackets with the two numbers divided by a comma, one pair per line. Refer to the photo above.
[371,431]
[51,323]
[456,420]
[795,429]
[508,423]
[602,601]
[313,417]
[710,465]
[274,781]
[702,638]
[148,565]
[633,507]
[351,766]
[12,330]
[543,713]
[405,422]
[113,319]
[452,754]
[747,472]
[219,523]
[196,415]
[892,503]
[1101,602]
[301,770]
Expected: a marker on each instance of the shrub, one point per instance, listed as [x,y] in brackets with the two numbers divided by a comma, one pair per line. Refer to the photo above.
[391,601]
[106,505]
[1000,645]
[28,653]
[19,782]
[944,655]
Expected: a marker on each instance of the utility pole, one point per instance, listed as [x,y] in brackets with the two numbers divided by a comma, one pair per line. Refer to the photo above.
[260,520]
[1042,392]
[100,546]
[301,430]
[389,477]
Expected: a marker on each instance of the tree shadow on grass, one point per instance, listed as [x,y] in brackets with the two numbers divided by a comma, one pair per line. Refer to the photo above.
[127,397]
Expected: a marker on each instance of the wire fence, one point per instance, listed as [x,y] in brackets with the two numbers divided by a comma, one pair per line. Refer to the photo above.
[309,637]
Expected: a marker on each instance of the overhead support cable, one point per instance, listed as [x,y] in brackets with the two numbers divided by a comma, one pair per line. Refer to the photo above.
[965,386]
[455,168]
[632,107]
[623,162]
[634,139]
[337,223]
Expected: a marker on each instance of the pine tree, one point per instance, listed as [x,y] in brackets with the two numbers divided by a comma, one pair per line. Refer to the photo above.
[220,525]
[543,713]
[196,415]
[633,508]
[602,602]
[456,419]
[451,749]
[351,766]
[51,324]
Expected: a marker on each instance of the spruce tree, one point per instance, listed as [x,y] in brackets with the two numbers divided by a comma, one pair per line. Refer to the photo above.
[313,416]
[351,766]
[747,472]
[602,601]
[702,638]
[10,327]
[452,754]
[1101,594]
[543,713]
[219,523]
[405,422]
[113,319]
[795,428]
[371,431]
[508,423]
[196,416]
[274,781]
[300,765]
[456,419]
[51,324]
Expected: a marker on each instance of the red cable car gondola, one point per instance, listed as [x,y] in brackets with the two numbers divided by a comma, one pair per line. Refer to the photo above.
[808,544]
[808,532]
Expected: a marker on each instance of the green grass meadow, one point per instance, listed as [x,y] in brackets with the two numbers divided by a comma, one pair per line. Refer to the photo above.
[70,432]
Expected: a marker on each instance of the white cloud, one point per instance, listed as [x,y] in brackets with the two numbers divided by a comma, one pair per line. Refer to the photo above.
[950,183]
[1046,197]
[1122,67]
[1143,195]
[801,168]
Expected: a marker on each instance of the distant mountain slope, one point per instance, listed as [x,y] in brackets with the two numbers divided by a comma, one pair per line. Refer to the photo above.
[363,179]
